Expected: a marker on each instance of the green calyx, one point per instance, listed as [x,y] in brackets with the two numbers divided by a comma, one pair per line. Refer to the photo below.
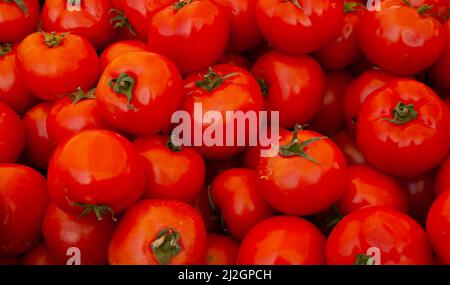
[53,39]
[333,218]
[422,9]
[296,148]
[402,114]
[212,80]
[99,210]
[263,86]
[73,5]
[124,85]
[79,95]
[361,259]
[21,5]
[173,147]
[121,21]
[5,49]
[351,6]
[296,4]
[166,245]
[180,4]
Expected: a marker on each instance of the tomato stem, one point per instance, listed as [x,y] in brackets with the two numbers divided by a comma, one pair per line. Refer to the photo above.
[99,210]
[263,86]
[5,49]
[361,259]
[212,80]
[73,5]
[422,9]
[121,21]
[180,4]
[297,4]
[403,114]
[124,85]
[333,218]
[166,245]
[52,39]
[350,7]
[79,95]
[22,6]
[173,147]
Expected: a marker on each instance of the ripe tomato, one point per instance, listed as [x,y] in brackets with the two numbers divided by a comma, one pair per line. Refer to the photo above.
[367,187]
[293,85]
[330,118]
[38,147]
[88,18]
[348,147]
[404,128]
[157,232]
[235,59]
[439,8]
[40,255]
[397,237]
[441,69]
[438,227]
[23,201]
[224,88]
[300,26]
[12,135]
[70,115]
[221,250]
[193,34]
[12,91]
[19,19]
[306,176]
[400,38]
[172,172]
[119,48]
[443,178]
[95,170]
[283,240]
[52,65]
[244,31]
[63,231]
[236,195]
[139,87]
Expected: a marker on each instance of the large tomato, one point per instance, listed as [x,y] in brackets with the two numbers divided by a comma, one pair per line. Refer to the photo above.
[404,128]
[283,240]
[88,18]
[193,34]
[138,92]
[285,180]
[443,178]
[95,171]
[400,38]
[438,227]
[441,69]
[40,255]
[397,237]
[18,19]
[157,232]
[12,135]
[23,201]
[222,250]
[293,85]
[119,48]
[52,65]
[299,26]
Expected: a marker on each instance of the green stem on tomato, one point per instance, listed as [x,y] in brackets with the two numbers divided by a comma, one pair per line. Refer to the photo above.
[212,80]
[73,5]
[79,95]
[361,259]
[124,85]
[99,210]
[180,4]
[351,6]
[121,21]
[53,39]
[5,49]
[263,86]
[402,114]
[166,245]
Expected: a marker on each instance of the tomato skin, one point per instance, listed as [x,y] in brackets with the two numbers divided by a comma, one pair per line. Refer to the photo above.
[438,227]
[14,24]
[193,37]
[222,250]
[398,237]
[296,86]
[91,22]
[156,108]
[9,261]
[443,178]
[38,148]
[244,31]
[367,187]
[399,39]
[441,69]
[210,216]
[235,59]
[23,201]
[63,231]
[40,255]
[66,118]
[12,135]
[439,9]
[139,228]
[286,182]
[119,48]
[112,172]
[292,30]
[171,174]
[347,145]
[406,149]
[49,73]
[235,193]
[283,240]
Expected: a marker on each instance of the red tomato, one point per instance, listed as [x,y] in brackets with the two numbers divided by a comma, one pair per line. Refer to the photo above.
[348,147]
[330,118]
[12,91]
[63,231]
[23,201]
[306,176]
[70,115]
[172,172]
[95,170]
[12,135]
[19,19]
[88,18]
[40,255]
[224,88]
[438,227]
[221,250]
[52,65]
[358,90]
[193,34]
[119,48]
[244,31]
[399,239]
[235,59]
[399,38]
[441,69]
[118,4]
[236,195]
[210,216]
[443,178]
[293,85]
[38,147]
[439,9]
[283,240]
[404,128]
[157,232]
[300,26]
[367,187]
[138,92]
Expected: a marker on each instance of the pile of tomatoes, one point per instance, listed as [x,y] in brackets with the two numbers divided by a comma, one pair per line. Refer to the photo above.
[88,169]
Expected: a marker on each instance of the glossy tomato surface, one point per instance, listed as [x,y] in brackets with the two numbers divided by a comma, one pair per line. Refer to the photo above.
[221,250]
[12,135]
[119,48]
[441,69]
[438,226]
[18,21]
[443,178]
